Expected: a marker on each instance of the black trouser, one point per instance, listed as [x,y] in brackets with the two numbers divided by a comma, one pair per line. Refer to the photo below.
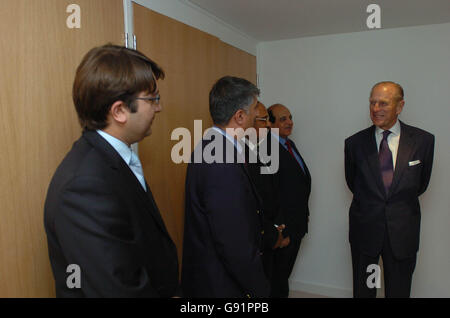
[283,263]
[397,273]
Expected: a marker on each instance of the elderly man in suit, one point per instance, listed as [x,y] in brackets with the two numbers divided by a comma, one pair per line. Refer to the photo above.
[100,214]
[223,220]
[387,167]
[293,190]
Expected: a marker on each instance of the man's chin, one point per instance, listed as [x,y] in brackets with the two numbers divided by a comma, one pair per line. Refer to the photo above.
[378,123]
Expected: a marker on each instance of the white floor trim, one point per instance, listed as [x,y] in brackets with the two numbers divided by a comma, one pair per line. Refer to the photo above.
[318,289]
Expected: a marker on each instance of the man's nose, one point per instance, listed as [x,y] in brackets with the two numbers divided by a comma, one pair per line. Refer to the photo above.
[376,107]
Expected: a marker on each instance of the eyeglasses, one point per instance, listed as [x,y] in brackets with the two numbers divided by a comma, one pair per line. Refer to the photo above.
[266,118]
[154,100]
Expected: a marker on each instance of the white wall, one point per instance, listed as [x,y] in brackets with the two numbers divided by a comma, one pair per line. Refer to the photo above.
[325,81]
[192,15]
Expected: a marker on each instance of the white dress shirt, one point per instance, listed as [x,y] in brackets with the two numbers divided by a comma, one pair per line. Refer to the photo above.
[127,154]
[393,139]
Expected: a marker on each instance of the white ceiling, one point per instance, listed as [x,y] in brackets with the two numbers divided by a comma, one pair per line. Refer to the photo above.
[269,20]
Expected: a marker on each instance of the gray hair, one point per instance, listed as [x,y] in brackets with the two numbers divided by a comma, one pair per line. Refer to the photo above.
[228,95]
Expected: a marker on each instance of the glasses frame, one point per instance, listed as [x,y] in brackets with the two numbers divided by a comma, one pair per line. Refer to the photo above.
[265,119]
[154,100]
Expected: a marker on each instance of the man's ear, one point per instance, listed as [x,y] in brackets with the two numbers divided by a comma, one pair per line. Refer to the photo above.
[400,106]
[119,112]
[239,116]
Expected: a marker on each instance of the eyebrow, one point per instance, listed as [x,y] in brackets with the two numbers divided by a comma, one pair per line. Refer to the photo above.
[155,93]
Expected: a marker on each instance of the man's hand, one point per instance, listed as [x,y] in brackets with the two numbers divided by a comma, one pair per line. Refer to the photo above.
[281,242]
[285,242]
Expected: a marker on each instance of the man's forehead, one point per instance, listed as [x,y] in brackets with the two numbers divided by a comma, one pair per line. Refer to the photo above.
[281,111]
[149,92]
[262,111]
[384,89]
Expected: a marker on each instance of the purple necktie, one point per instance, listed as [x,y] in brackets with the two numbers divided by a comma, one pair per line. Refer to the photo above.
[386,164]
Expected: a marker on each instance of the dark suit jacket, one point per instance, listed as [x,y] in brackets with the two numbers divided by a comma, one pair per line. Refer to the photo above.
[294,189]
[266,186]
[222,231]
[98,216]
[372,211]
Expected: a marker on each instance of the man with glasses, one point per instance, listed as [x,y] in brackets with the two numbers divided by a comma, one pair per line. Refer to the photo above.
[100,214]
[266,182]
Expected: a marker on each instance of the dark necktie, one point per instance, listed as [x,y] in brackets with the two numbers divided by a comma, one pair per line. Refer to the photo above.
[288,145]
[386,163]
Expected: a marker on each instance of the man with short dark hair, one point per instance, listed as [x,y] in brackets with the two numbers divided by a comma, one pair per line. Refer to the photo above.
[387,167]
[293,190]
[99,212]
[223,225]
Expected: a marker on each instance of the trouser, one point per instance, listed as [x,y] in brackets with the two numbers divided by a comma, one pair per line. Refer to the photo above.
[283,263]
[397,273]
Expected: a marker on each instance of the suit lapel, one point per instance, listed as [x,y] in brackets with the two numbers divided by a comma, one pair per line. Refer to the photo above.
[405,147]
[244,157]
[255,191]
[154,211]
[128,178]
[306,172]
[370,147]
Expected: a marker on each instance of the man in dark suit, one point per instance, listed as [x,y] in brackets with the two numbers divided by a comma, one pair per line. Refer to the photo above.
[265,179]
[387,167]
[223,231]
[294,188]
[100,215]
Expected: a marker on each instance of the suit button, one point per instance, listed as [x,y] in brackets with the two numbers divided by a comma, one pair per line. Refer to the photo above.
[257,211]
[262,232]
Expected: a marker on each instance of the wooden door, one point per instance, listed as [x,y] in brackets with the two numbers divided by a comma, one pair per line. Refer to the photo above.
[38,122]
[193,60]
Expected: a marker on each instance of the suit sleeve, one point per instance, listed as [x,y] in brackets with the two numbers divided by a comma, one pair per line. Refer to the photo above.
[94,233]
[233,227]
[350,168]
[427,165]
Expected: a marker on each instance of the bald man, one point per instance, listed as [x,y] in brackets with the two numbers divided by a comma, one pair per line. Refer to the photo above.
[387,167]
[293,190]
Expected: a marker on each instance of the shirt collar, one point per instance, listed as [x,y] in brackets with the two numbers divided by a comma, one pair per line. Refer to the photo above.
[226,135]
[121,147]
[395,130]
[280,139]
